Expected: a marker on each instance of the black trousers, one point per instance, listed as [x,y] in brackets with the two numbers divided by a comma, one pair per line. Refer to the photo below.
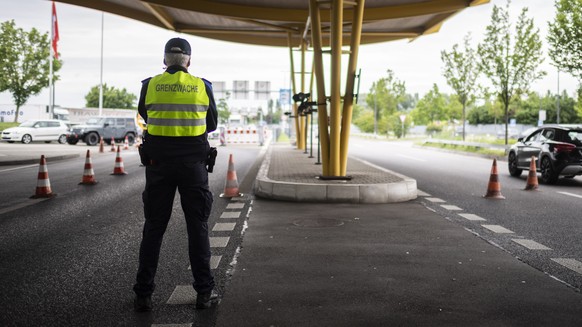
[191,180]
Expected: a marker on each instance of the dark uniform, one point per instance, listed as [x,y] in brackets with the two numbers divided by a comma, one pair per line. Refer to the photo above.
[180,110]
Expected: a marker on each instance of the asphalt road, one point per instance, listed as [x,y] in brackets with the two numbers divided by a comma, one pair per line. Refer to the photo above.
[549,217]
[71,260]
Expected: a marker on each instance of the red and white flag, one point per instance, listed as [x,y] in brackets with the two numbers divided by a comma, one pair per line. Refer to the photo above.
[55,31]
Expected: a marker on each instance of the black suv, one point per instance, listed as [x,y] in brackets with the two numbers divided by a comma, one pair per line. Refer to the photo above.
[117,128]
[557,150]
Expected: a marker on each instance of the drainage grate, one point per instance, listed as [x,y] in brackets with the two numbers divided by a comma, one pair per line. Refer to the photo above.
[318,223]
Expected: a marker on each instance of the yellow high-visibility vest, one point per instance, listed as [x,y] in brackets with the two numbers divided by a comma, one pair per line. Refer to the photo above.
[176,105]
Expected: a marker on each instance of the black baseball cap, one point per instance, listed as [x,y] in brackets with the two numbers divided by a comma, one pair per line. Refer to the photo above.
[178,45]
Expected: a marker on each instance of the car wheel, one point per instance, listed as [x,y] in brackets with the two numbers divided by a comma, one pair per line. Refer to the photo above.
[62,139]
[130,138]
[26,139]
[549,176]
[512,165]
[92,138]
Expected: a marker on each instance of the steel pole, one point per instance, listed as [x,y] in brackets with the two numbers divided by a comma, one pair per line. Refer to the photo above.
[335,95]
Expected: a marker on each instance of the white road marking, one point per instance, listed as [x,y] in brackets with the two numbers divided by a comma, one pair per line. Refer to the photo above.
[237,205]
[182,294]
[498,229]
[219,242]
[21,167]
[571,264]
[451,207]
[411,158]
[223,227]
[22,205]
[571,194]
[421,193]
[470,216]
[214,262]
[530,244]
[230,214]
[436,200]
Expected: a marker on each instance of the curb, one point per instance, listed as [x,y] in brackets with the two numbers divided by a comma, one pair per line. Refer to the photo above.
[402,191]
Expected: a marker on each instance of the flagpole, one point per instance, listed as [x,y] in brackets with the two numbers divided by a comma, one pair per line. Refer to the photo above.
[51,55]
[101,76]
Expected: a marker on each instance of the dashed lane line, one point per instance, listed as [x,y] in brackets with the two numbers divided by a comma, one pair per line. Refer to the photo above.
[470,216]
[530,244]
[451,207]
[421,193]
[436,200]
[223,227]
[498,229]
[235,205]
[571,194]
[214,262]
[230,214]
[571,264]
[218,242]
[182,294]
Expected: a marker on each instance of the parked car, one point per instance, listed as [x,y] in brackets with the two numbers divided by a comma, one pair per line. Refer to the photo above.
[46,130]
[91,132]
[557,150]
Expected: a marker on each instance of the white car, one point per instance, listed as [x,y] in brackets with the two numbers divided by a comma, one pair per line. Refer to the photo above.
[46,130]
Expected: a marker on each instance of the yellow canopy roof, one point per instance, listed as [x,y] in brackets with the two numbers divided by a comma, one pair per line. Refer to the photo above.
[269,22]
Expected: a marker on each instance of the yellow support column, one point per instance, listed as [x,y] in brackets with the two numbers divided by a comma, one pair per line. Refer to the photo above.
[303,119]
[321,96]
[294,89]
[349,94]
[335,105]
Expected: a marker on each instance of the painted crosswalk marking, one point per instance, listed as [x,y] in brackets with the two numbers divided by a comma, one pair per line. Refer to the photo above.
[530,244]
[498,229]
[436,200]
[571,264]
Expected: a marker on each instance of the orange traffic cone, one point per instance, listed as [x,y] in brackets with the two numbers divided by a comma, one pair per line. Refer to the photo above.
[532,177]
[101,150]
[43,184]
[112,144]
[88,173]
[118,169]
[231,185]
[126,144]
[494,187]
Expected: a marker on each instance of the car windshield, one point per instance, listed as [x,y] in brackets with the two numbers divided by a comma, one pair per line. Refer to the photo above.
[29,123]
[94,121]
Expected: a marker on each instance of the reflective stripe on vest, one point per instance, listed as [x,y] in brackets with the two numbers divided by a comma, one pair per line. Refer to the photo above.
[176,105]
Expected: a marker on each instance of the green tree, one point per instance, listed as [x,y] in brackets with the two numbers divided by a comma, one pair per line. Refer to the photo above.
[461,71]
[385,96]
[112,98]
[565,37]
[511,64]
[365,121]
[432,107]
[25,62]
[222,108]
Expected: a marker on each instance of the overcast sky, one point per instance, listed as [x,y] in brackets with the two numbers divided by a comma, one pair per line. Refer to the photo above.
[134,51]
